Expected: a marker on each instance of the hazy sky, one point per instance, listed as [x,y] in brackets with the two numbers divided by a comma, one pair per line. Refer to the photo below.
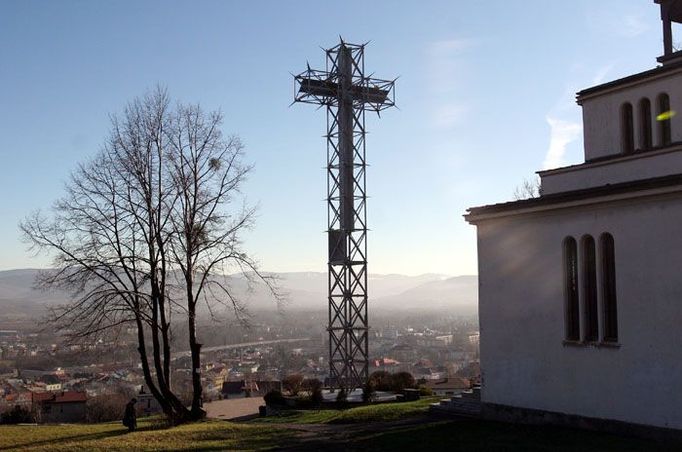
[486,97]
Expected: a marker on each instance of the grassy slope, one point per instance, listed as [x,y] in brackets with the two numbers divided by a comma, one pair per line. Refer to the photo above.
[448,435]
[483,436]
[265,434]
[209,435]
[370,413]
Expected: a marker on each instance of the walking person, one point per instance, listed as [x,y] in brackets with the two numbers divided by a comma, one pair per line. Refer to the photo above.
[130,416]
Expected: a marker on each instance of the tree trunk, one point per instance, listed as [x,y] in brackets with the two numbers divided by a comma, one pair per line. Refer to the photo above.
[165,406]
[181,411]
[195,349]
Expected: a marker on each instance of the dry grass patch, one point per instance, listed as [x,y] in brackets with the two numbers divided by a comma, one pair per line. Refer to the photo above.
[208,435]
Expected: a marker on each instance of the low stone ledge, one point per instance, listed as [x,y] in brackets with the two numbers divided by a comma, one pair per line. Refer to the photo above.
[517,415]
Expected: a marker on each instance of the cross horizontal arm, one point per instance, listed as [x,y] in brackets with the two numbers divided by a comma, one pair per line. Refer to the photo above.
[323,88]
[328,88]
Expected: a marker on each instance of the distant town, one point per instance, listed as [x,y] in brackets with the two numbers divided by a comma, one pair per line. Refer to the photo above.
[57,381]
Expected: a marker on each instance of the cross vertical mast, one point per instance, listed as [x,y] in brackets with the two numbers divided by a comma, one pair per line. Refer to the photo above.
[347,94]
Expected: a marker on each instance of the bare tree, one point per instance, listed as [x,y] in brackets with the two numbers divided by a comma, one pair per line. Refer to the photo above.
[207,173]
[530,188]
[153,204]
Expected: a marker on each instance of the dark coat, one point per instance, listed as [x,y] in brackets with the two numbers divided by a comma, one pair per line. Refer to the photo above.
[130,416]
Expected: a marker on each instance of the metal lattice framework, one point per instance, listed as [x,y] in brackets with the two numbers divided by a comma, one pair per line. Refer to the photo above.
[347,93]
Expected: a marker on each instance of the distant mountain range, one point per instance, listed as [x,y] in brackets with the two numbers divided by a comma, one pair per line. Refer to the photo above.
[397,292]
[20,301]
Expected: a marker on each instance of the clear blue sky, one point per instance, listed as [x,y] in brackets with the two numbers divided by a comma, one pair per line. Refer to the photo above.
[486,97]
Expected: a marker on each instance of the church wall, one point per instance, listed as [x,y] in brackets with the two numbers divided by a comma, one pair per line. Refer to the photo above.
[524,359]
[664,162]
[601,114]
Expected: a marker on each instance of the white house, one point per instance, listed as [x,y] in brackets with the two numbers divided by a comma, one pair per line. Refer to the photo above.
[580,289]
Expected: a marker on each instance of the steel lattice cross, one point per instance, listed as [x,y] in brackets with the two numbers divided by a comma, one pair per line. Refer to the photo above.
[347,93]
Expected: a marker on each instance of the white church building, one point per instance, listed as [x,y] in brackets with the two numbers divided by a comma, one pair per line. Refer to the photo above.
[580,288]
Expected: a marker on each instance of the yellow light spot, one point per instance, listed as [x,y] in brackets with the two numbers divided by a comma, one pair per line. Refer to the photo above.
[666,115]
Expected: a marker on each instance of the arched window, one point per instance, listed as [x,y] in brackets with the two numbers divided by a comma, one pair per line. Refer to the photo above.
[645,124]
[608,271]
[571,289]
[589,278]
[626,128]
[664,131]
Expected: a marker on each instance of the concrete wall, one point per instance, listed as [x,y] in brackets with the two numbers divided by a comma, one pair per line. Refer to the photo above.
[62,412]
[524,360]
[601,114]
[664,162]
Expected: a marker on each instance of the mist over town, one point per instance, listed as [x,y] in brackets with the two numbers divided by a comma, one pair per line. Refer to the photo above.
[380,225]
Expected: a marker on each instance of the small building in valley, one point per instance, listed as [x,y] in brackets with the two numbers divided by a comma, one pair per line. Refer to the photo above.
[59,407]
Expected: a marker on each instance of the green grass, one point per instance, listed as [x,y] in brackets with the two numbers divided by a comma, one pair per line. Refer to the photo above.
[208,435]
[447,435]
[320,430]
[484,436]
[369,413]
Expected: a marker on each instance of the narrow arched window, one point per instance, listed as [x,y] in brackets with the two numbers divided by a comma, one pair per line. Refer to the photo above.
[663,120]
[572,306]
[608,271]
[589,278]
[626,128]
[645,124]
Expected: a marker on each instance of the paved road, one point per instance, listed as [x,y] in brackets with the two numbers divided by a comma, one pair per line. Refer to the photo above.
[242,345]
[233,408]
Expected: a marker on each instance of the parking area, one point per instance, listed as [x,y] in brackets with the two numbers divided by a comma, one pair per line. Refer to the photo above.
[233,408]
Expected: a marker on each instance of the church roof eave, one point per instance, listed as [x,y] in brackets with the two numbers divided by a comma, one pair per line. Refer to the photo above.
[630,80]
[576,197]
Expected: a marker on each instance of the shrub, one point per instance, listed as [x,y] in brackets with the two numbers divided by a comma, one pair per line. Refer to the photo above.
[293,383]
[368,392]
[311,384]
[185,397]
[425,392]
[342,396]
[16,415]
[381,380]
[402,380]
[316,396]
[274,397]
[313,387]
[384,381]
[105,408]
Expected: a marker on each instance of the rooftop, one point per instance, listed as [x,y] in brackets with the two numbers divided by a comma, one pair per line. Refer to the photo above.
[59,397]
[575,195]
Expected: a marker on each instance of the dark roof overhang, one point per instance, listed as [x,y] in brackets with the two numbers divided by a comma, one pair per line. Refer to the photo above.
[575,195]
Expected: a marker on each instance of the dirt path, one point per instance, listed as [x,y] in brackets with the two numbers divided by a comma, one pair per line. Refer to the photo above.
[338,437]
[233,409]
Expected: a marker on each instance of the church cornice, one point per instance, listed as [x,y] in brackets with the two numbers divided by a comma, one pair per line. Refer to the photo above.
[606,193]
[629,81]
[614,158]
